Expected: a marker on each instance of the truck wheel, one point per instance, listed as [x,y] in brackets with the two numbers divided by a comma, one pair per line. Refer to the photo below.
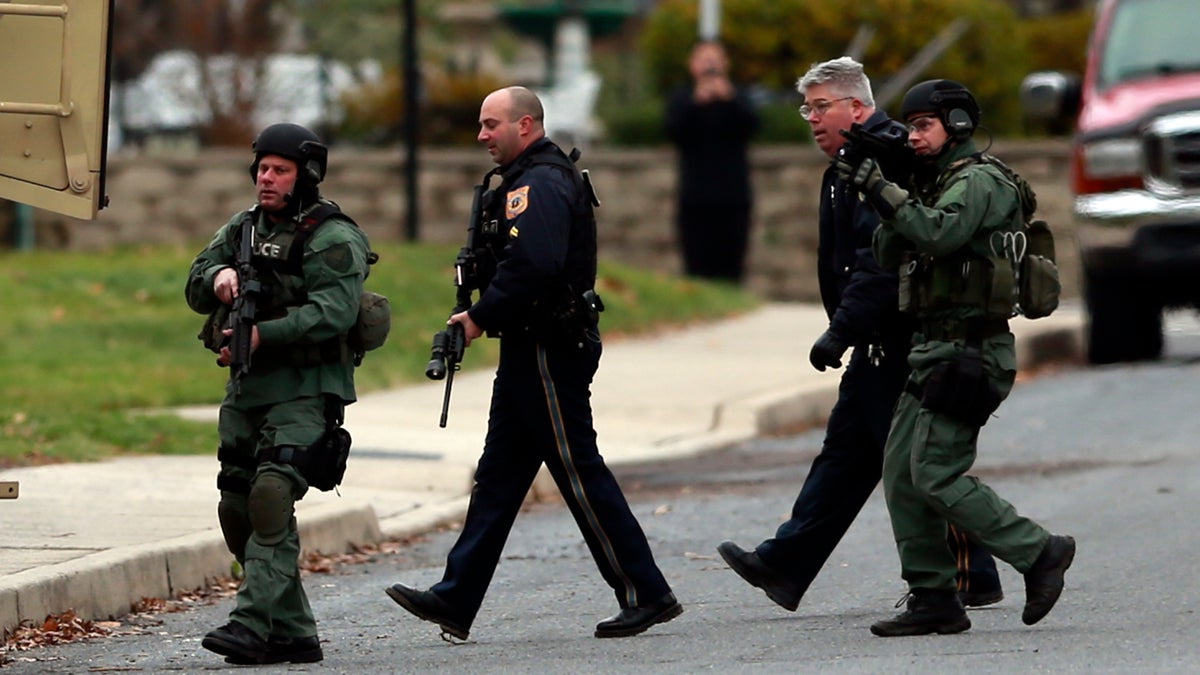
[1124,319]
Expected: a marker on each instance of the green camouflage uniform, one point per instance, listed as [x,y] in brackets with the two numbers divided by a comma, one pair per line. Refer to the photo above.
[281,401]
[927,453]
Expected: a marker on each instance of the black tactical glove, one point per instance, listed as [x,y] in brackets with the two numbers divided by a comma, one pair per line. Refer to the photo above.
[827,351]
[878,191]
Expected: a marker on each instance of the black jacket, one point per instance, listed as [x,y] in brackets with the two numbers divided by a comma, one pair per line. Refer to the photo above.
[712,140]
[860,298]
[549,233]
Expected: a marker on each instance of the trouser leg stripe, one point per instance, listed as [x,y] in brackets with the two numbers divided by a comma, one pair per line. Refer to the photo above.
[963,558]
[564,454]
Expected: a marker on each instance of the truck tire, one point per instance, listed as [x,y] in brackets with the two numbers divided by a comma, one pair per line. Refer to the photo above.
[1124,318]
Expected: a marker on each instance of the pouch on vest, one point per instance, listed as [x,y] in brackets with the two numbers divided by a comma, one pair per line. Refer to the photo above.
[929,284]
[1039,287]
[373,324]
[374,319]
[1000,289]
[211,334]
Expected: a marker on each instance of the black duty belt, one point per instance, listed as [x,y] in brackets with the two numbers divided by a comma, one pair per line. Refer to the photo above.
[299,355]
[947,330]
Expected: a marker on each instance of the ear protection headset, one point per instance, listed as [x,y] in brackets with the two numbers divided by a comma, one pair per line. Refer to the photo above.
[957,103]
[316,156]
[297,144]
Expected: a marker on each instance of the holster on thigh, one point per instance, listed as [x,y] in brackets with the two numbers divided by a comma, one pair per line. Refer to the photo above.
[271,506]
[323,463]
[962,389]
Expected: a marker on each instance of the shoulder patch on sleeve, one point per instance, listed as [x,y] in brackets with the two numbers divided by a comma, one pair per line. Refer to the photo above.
[338,257]
[516,202]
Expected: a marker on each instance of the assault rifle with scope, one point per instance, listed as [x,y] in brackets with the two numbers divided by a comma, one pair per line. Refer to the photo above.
[890,148]
[450,343]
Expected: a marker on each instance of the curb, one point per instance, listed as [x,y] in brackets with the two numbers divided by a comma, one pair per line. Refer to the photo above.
[109,583]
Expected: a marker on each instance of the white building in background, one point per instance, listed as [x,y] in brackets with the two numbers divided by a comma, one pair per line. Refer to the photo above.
[168,99]
[570,101]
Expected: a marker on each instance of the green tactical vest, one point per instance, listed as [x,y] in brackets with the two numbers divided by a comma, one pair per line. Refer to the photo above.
[980,276]
[282,253]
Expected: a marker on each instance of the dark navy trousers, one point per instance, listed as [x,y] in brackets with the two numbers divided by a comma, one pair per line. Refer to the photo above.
[846,471]
[541,413]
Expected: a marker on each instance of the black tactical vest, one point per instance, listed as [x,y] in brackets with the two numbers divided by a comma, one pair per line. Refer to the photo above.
[581,253]
[281,252]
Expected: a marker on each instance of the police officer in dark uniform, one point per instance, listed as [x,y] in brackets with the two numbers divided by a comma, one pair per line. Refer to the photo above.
[540,412]
[861,301]
[280,419]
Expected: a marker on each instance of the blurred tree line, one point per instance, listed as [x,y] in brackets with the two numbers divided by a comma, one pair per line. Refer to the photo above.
[248,29]
[771,43]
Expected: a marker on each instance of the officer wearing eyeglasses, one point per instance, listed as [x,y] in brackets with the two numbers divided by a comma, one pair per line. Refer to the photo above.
[860,300]
[939,235]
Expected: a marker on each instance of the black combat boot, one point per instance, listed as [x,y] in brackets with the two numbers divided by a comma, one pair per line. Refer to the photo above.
[928,611]
[1044,581]
[286,650]
[236,641]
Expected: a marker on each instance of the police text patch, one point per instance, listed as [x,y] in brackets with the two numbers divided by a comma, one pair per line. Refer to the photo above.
[517,202]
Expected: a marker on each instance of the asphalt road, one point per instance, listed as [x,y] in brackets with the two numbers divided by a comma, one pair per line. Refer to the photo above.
[1107,455]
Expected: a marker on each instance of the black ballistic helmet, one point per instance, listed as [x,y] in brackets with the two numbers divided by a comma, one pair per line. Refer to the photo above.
[950,101]
[297,144]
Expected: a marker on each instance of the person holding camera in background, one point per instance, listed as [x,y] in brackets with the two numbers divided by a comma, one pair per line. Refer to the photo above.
[953,237]
[860,299]
[280,421]
[711,123]
[540,302]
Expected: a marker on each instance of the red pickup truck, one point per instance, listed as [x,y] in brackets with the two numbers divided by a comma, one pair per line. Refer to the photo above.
[1135,169]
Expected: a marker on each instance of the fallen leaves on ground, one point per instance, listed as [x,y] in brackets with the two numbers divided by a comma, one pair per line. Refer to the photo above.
[315,562]
[69,627]
[56,629]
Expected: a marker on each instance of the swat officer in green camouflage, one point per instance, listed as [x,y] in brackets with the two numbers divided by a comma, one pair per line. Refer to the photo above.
[280,422]
[955,243]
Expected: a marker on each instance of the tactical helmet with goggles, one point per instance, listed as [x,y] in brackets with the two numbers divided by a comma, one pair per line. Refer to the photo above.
[950,101]
[296,143]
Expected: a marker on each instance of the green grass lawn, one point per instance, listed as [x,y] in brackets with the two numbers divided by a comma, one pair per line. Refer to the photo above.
[86,339]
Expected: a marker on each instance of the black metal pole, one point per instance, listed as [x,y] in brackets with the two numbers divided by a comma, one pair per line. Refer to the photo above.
[411,96]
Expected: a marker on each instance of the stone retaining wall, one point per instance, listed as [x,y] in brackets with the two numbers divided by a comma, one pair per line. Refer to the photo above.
[183,200]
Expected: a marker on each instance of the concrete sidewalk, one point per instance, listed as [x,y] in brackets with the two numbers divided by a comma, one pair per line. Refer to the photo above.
[97,538]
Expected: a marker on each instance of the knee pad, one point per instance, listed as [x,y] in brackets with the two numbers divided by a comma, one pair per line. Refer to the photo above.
[270,506]
[235,523]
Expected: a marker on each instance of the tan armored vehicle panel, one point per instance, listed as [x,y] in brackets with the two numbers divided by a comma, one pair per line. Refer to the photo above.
[54,103]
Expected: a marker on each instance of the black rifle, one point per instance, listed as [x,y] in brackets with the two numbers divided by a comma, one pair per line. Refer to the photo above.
[243,315]
[891,149]
[450,343]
